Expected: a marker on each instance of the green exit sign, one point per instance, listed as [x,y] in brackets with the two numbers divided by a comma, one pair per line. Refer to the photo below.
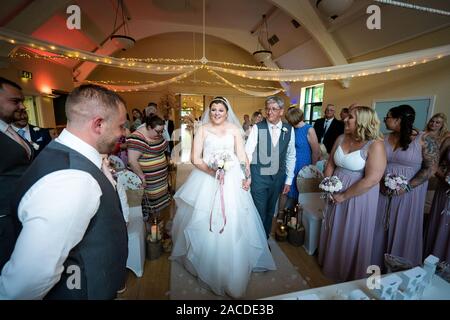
[26,75]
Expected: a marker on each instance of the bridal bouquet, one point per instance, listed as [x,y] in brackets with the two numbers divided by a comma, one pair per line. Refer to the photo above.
[329,185]
[394,183]
[220,162]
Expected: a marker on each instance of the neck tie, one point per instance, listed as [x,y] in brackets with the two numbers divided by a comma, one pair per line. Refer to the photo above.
[13,134]
[275,135]
[21,132]
[107,171]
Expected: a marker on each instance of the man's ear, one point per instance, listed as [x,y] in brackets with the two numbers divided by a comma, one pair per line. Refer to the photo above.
[97,124]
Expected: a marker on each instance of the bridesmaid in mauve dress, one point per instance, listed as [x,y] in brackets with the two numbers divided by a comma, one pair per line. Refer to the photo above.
[437,237]
[400,231]
[358,158]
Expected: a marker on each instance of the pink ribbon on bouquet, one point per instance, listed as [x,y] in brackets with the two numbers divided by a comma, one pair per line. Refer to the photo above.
[220,176]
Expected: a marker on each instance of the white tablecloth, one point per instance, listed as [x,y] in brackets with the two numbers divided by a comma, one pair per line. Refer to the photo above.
[438,290]
[313,207]
[136,241]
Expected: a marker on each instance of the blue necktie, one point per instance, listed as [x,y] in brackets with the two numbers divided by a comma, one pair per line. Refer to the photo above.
[21,132]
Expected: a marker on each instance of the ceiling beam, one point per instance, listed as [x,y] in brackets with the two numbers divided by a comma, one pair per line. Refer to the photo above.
[304,13]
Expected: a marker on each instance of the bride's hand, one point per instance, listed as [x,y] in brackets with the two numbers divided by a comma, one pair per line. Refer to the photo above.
[246,184]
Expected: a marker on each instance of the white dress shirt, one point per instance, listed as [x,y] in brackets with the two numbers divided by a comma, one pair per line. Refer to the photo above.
[55,213]
[252,141]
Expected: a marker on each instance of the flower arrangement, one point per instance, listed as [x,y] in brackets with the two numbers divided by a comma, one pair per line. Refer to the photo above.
[394,183]
[220,161]
[329,185]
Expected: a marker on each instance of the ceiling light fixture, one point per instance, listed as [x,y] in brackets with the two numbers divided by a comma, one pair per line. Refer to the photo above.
[261,54]
[122,41]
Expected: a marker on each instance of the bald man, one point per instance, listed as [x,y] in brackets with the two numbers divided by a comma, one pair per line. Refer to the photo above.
[73,243]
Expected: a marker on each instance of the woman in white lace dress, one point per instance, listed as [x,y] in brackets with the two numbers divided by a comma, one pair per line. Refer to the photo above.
[217,232]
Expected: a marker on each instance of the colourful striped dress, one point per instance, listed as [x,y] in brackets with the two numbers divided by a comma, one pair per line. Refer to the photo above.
[154,165]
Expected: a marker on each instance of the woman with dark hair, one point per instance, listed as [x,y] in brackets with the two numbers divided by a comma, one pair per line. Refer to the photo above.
[399,230]
[146,157]
[137,119]
[217,232]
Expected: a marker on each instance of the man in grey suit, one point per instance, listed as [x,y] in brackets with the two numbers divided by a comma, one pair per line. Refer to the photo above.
[270,149]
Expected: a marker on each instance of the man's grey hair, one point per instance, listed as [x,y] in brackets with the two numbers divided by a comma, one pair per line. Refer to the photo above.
[275,99]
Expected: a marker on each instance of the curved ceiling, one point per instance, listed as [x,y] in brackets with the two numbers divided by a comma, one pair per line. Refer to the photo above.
[314,41]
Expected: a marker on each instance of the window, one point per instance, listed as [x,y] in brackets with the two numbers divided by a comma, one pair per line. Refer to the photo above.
[311,104]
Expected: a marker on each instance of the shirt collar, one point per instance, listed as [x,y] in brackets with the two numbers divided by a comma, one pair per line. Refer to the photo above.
[26,128]
[279,124]
[3,126]
[73,142]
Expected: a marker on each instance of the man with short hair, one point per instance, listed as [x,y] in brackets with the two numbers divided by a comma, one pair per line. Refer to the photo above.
[344,113]
[73,243]
[270,149]
[16,157]
[38,137]
[328,128]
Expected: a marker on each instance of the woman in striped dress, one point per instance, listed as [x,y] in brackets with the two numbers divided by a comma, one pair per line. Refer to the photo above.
[146,157]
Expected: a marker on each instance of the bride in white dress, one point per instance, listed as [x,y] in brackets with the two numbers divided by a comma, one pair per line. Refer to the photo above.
[217,233]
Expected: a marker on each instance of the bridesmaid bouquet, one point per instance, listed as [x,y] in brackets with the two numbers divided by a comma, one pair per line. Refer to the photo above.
[394,183]
[329,185]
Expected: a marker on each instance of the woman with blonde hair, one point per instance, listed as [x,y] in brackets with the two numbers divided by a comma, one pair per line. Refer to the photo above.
[437,127]
[358,159]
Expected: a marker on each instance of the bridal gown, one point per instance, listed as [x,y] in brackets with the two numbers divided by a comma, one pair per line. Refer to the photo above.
[223,261]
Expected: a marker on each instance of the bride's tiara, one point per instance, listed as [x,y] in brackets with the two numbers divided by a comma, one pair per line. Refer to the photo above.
[221,99]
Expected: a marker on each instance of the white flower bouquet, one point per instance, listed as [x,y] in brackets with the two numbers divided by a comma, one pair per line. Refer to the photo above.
[329,185]
[395,183]
[220,161]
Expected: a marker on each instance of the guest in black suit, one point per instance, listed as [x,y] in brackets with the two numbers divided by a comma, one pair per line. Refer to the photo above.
[38,137]
[17,155]
[328,128]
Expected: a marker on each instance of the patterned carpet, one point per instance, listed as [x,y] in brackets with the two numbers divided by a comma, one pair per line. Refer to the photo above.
[184,286]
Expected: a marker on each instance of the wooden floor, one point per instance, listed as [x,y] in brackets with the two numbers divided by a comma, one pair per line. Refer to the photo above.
[155,283]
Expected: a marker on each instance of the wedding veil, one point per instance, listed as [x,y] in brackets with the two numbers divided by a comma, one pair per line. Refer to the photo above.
[232,118]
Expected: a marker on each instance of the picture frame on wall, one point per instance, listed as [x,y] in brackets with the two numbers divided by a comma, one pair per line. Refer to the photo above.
[424,107]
